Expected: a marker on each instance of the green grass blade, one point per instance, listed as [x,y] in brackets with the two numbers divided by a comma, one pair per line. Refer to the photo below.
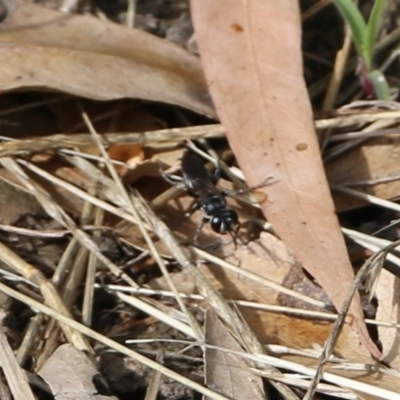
[380,85]
[373,26]
[356,22]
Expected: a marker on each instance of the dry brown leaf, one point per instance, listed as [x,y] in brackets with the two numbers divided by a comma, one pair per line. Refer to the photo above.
[89,57]
[70,373]
[375,160]
[251,53]
[225,371]
[269,258]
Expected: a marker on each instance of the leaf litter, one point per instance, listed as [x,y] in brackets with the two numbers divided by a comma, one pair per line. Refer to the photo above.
[114,265]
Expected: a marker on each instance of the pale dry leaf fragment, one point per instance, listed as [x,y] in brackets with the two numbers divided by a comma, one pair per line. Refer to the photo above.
[226,371]
[69,374]
[85,56]
[183,281]
[251,54]
[388,294]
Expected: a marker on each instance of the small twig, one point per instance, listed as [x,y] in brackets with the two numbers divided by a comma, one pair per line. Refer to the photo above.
[131,13]
[88,297]
[14,374]
[367,197]
[338,71]
[145,139]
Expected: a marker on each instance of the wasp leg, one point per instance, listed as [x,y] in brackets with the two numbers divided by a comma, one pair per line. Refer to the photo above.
[198,230]
[171,179]
[268,181]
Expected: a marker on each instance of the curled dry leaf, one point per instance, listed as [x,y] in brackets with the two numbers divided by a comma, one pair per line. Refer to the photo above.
[251,53]
[130,154]
[89,57]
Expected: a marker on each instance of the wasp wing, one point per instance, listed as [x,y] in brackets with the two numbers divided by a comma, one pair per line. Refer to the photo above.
[196,177]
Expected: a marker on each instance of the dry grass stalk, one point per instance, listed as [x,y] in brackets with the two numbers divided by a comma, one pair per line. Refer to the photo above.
[14,374]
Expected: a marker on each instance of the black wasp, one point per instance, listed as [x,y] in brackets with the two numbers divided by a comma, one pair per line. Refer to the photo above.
[209,198]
